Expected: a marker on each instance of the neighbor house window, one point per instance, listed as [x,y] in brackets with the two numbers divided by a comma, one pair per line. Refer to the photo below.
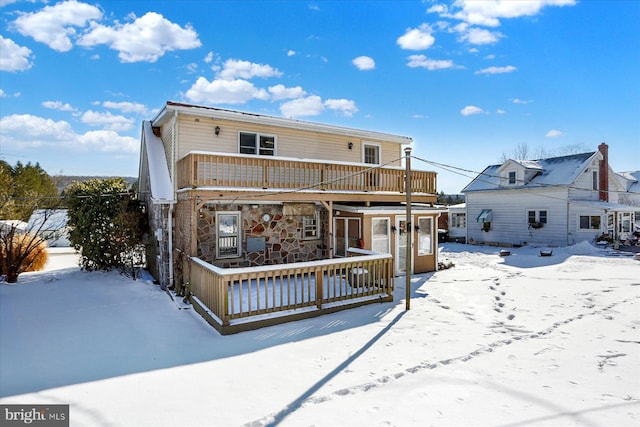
[512,177]
[425,236]
[380,235]
[459,220]
[228,229]
[255,143]
[310,227]
[537,216]
[589,222]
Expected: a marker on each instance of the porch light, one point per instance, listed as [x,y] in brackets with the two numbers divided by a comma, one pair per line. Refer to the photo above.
[217,130]
[393,228]
[350,145]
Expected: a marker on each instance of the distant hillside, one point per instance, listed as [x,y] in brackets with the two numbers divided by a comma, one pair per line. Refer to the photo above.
[63,181]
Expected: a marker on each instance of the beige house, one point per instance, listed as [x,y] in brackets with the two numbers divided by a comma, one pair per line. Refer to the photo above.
[267,215]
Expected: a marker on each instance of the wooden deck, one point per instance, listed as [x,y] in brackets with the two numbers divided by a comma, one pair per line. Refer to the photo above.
[234,300]
[220,170]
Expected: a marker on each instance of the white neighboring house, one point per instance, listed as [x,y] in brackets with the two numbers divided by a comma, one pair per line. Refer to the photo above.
[629,195]
[556,201]
[6,225]
[458,222]
[54,229]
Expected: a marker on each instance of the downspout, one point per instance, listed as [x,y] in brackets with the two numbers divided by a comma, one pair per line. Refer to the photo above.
[173,181]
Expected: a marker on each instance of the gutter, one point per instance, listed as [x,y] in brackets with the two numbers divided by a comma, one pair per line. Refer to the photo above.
[173,179]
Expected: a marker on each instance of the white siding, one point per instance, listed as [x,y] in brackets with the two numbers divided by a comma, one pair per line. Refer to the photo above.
[510,221]
[200,136]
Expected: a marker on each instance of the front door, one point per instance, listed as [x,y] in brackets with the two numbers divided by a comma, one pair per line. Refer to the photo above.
[346,235]
[401,246]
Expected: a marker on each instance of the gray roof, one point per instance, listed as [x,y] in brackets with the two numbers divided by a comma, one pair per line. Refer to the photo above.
[554,171]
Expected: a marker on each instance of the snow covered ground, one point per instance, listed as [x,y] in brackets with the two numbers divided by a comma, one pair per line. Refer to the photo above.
[521,340]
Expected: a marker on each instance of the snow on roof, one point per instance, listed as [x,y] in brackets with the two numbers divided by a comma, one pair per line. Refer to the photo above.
[552,171]
[160,182]
[607,206]
[633,181]
[53,219]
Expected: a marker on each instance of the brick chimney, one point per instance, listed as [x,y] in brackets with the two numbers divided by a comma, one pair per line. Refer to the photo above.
[604,172]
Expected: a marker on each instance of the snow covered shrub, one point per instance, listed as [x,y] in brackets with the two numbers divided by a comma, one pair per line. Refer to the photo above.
[107,224]
[20,253]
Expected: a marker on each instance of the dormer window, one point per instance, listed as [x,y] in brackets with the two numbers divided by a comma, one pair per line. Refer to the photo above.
[512,177]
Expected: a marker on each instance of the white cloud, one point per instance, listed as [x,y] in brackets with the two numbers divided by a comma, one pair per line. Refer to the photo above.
[224,91]
[33,131]
[54,25]
[500,111]
[209,58]
[58,105]
[13,57]
[422,61]
[417,38]
[479,36]
[520,101]
[497,70]
[470,110]
[280,92]
[144,40]
[309,106]
[346,106]
[107,120]
[489,13]
[126,107]
[364,63]
[291,53]
[234,68]
[553,133]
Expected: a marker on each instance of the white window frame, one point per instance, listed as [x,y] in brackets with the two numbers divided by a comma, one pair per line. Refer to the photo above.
[458,220]
[537,217]
[311,227]
[423,247]
[256,146]
[515,177]
[237,234]
[388,236]
[371,144]
[595,180]
[590,222]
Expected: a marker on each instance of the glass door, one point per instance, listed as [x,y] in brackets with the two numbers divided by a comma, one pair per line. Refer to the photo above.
[346,235]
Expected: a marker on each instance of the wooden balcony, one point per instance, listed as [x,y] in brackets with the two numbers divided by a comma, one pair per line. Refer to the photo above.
[238,299]
[242,171]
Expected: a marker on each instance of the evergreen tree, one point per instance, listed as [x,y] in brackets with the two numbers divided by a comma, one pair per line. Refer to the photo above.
[23,189]
[107,225]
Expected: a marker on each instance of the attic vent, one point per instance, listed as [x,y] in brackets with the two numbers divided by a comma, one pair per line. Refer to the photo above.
[156,131]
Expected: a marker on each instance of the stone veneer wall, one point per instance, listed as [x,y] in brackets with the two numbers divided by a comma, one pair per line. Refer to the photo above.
[283,243]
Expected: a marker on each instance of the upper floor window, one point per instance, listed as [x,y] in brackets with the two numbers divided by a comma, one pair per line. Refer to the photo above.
[371,154]
[512,177]
[255,143]
[595,183]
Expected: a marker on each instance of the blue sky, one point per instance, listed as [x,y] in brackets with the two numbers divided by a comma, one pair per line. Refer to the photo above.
[467,80]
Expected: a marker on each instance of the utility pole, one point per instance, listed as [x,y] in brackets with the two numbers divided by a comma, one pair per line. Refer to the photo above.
[408,226]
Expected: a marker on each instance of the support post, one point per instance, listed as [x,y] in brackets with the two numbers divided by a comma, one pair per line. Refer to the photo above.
[408,225]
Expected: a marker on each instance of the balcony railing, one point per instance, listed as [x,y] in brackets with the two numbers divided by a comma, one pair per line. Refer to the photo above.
[219,170]
[235,299]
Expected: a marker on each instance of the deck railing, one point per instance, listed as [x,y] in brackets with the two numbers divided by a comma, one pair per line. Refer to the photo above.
[219,170]
[238,293]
